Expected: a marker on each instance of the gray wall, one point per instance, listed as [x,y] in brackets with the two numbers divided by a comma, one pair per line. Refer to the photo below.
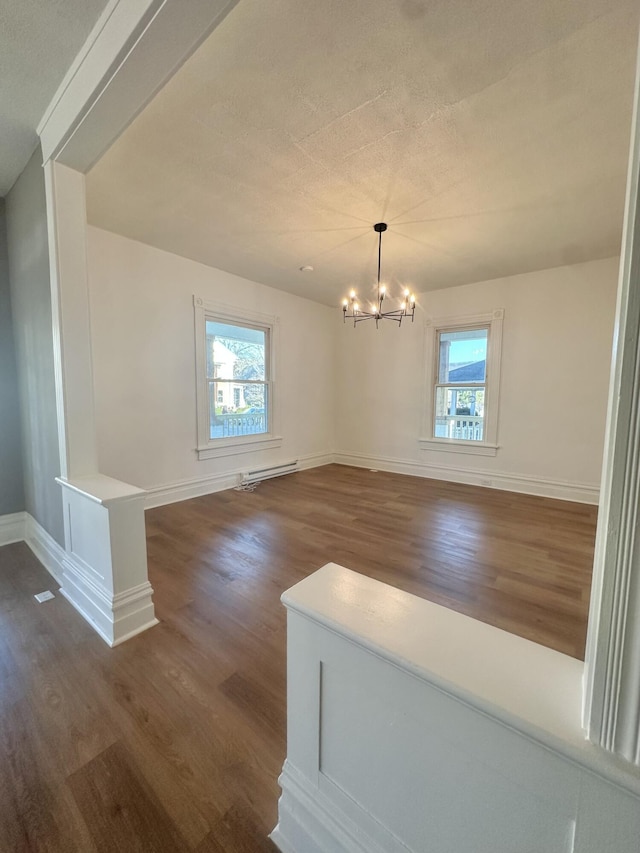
[11,486]
[31,304]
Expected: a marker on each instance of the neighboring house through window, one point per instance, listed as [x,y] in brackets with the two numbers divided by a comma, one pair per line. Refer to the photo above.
[235,356]
[463,359]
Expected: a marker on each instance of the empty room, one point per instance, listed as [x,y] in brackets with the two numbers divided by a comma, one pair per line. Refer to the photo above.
[319,396]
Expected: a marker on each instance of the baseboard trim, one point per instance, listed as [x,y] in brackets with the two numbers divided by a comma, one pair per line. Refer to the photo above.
[184,490]
[315,460]
[22,527]
[45,548]
[558,489]
[12,527]
[310,822]
[115,618]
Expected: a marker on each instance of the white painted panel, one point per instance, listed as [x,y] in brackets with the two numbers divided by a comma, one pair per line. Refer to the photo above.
[385,754]
[609,819]
[419,762]
[88,541]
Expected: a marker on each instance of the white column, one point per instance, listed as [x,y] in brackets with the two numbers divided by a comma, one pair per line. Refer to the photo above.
[612,670]
[105,562]
[133,48]
[66,217]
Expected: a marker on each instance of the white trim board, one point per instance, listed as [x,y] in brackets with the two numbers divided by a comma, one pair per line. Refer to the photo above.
[185,490]
[560,490]
[12,527]
[22,527]
[45,547]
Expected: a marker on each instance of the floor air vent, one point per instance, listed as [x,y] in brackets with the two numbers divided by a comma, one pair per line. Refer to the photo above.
[258,474]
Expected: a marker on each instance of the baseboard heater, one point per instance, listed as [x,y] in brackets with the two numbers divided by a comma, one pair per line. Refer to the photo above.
[258,474]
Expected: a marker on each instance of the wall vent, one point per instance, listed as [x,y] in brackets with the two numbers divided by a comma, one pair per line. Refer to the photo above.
[258,474]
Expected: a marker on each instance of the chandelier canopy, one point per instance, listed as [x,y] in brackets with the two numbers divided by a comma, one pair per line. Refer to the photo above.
[407,306]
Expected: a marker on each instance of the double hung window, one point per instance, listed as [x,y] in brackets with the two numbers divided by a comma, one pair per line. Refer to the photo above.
[462,388]
[234,361]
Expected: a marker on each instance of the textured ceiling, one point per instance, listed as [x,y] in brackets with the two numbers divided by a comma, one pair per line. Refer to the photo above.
[39,40]
[492,135]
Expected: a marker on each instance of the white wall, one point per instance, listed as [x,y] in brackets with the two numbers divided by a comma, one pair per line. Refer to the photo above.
[28,250]
[144,363]
[558,330]
[11,480]
[359,392]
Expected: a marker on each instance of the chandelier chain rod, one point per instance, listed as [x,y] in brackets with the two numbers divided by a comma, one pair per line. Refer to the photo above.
[379,256]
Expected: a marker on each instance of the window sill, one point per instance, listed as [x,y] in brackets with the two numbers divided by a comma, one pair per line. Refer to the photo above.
[451,445]
[234,446]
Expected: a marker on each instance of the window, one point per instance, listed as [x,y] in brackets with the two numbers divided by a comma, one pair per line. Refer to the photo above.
[461,383]
[463,358]
[235,377]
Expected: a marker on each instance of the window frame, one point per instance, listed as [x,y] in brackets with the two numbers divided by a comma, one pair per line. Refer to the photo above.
[493,322]
[211,448]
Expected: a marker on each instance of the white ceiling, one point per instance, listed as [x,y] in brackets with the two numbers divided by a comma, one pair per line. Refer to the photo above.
[491,135]
[39,40]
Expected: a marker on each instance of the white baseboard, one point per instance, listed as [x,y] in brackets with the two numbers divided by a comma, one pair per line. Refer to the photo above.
[184,490]
[22,527]
[115,618]
[315,460]
[561,490]
[45,547]
[12,527]
[308,822]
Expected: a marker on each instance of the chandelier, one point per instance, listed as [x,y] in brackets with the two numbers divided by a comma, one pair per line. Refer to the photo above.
[407,307]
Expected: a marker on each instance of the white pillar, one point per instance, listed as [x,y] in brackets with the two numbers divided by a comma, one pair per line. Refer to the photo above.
[66,217]
[612,667]
[105,563]
[133,48]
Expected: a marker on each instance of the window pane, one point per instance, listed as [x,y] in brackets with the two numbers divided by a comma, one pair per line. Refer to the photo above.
[462,356]
[459,413]
[237,408]
[235,352]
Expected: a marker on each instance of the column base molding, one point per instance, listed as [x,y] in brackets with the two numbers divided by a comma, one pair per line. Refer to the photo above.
[115,618]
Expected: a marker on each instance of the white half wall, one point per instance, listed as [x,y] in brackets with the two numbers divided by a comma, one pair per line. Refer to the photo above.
[557,336]
[414,728]
[142,323]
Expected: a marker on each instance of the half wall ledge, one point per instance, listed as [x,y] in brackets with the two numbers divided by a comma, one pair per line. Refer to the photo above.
[104,568]
[413,727]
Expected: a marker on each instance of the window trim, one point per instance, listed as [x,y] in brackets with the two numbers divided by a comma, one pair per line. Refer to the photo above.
[489,446]
[206,447]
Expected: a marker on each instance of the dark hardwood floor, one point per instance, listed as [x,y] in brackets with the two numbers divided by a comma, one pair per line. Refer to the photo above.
[174,740]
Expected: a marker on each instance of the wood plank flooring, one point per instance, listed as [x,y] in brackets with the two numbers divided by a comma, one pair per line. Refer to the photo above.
[174,740]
